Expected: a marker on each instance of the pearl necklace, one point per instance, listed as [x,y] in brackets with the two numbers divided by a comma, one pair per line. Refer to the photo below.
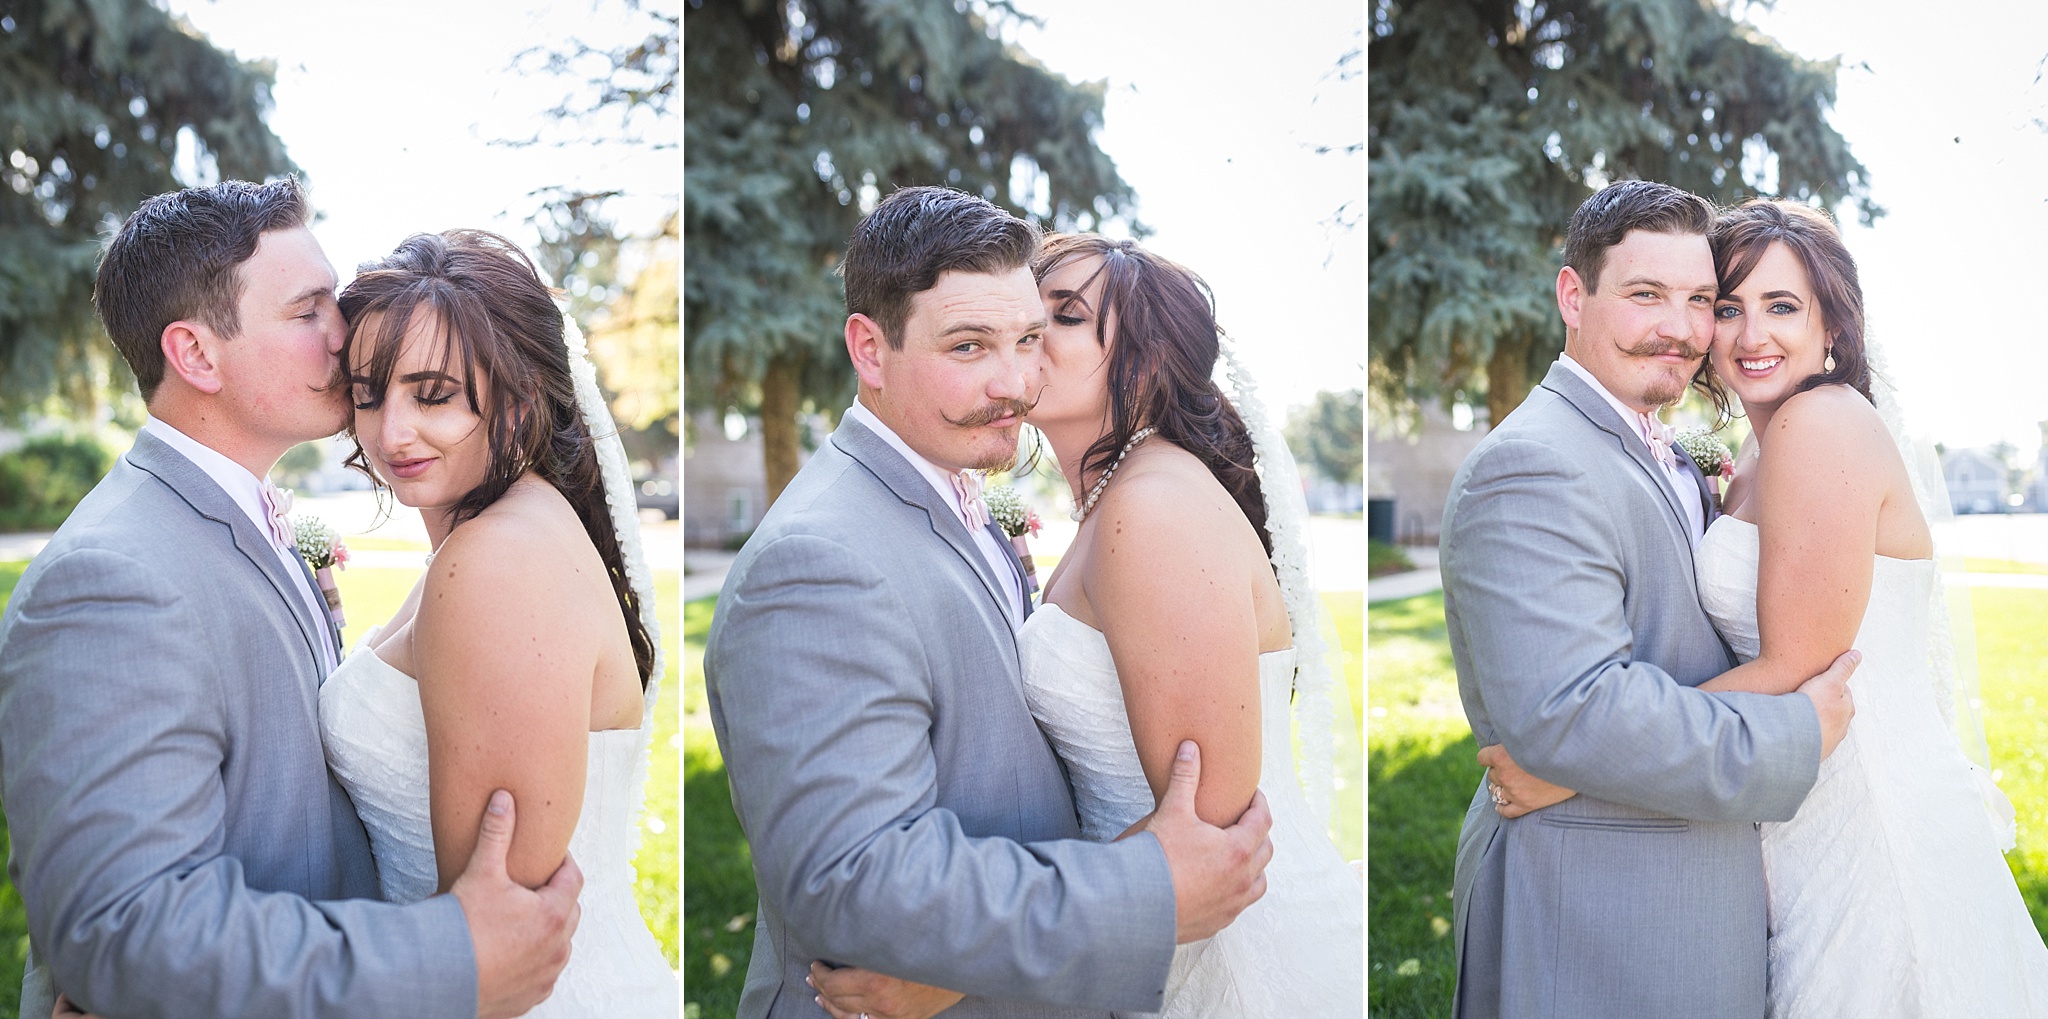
[1095,493]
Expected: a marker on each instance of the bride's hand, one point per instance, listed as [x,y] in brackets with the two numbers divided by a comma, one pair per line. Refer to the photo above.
[854,993]
[1516,792]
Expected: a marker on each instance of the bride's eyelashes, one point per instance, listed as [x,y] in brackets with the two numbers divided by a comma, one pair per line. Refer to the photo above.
[1069,320]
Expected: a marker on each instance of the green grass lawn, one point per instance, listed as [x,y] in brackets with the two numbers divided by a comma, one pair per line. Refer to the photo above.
[718,877]
[1421,775]
[371,596]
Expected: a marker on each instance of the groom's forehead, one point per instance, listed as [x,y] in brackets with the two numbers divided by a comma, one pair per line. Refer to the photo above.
[287,267]
[969,301]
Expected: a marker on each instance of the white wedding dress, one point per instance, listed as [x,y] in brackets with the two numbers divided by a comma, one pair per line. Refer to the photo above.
[376,741]
[1297,951]
[1888,895]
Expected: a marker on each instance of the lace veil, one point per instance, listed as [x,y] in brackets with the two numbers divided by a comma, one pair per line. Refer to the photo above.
[625,512]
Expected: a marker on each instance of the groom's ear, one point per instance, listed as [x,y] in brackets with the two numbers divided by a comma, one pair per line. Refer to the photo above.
[188,353]
[1571,290]
[864,343]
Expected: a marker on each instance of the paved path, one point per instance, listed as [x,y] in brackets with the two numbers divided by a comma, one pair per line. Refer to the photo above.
[1421,580]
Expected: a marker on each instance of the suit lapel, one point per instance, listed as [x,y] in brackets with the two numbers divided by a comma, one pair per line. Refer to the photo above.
[1567,384]
[182,476]
[903,479]
[1708,511]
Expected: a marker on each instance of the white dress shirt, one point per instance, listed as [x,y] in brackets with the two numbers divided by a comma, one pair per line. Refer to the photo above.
[942,482]
[246,491]
[1680,482]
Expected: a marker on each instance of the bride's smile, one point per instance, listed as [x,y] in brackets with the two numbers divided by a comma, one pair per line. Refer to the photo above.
[1769,333]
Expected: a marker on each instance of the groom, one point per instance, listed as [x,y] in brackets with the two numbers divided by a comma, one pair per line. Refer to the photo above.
[1578,637]
[176,838]
[904,812]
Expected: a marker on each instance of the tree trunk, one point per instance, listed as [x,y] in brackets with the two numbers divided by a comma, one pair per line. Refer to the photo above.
[780,397]
[1507,377]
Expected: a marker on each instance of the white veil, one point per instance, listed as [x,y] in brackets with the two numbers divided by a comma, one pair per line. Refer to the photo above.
[1319,700]
[625,512]
[1952,643]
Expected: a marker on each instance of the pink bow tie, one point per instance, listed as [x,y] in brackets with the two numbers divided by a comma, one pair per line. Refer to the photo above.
[1658,436]
[277,502]
[967,485]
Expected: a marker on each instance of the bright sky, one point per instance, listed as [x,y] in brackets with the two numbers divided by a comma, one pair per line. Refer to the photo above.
[1945,109]
[390,108]
[1213,114]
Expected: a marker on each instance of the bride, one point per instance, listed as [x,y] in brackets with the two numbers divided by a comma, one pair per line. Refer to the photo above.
[1165,621]
[523,659]
[1887,892]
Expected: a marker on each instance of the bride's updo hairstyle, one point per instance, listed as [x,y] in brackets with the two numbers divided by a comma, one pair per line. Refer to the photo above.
[499,321]
[1163,363]
[1741,236]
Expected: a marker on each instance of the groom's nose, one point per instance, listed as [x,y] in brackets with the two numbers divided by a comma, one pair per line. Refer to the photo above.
[1016,375]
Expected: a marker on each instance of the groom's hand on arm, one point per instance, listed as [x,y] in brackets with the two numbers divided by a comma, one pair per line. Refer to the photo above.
[1217,872]
[521,935]
[1832,702]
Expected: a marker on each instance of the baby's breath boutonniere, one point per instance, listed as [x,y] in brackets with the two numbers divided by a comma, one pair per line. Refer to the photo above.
[321,546]
[1708,454]
[1006,507]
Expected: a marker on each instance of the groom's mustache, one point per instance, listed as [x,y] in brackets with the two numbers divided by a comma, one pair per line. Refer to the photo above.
[1000,408]
[1654,348]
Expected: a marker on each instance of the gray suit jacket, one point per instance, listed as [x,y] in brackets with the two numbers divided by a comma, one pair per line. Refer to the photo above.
[176,837]
[904,812]
[1578,638]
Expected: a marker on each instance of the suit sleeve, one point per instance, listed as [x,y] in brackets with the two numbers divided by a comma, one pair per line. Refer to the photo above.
[112,741]
[1539,596]
[825,710]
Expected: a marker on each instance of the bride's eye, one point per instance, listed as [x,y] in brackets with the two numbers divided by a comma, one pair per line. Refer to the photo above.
[359,394]
[1068,320]
[1727,311]
[436,397]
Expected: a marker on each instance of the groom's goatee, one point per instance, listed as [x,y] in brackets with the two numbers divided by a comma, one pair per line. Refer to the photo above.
[999,408]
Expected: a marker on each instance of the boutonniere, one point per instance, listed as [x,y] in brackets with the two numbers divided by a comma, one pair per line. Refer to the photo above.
[1709,455]
[1007,509]
[321,546]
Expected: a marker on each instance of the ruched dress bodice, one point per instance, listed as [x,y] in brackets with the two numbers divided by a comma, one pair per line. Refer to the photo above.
[1295,952]
[1888,896]
[376,740]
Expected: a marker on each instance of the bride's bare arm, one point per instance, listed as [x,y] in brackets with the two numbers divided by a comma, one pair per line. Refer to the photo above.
[505,672]
[1169,579]
[1825,472]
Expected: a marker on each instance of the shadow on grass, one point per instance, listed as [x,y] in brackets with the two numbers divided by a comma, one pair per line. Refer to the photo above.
[1416,791]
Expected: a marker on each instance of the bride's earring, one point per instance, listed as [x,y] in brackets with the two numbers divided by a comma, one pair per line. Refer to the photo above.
[1829,364]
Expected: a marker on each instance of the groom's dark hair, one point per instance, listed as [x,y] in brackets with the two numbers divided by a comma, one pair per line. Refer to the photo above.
[179,256]
[916,234]
[1604,219]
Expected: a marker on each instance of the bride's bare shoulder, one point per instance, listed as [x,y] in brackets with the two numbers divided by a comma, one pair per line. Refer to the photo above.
[1835,423]
[1168,496]
[519,556]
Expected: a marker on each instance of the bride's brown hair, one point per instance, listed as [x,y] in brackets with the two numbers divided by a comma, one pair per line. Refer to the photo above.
[1741,236]
[500,322]
[1162,366]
